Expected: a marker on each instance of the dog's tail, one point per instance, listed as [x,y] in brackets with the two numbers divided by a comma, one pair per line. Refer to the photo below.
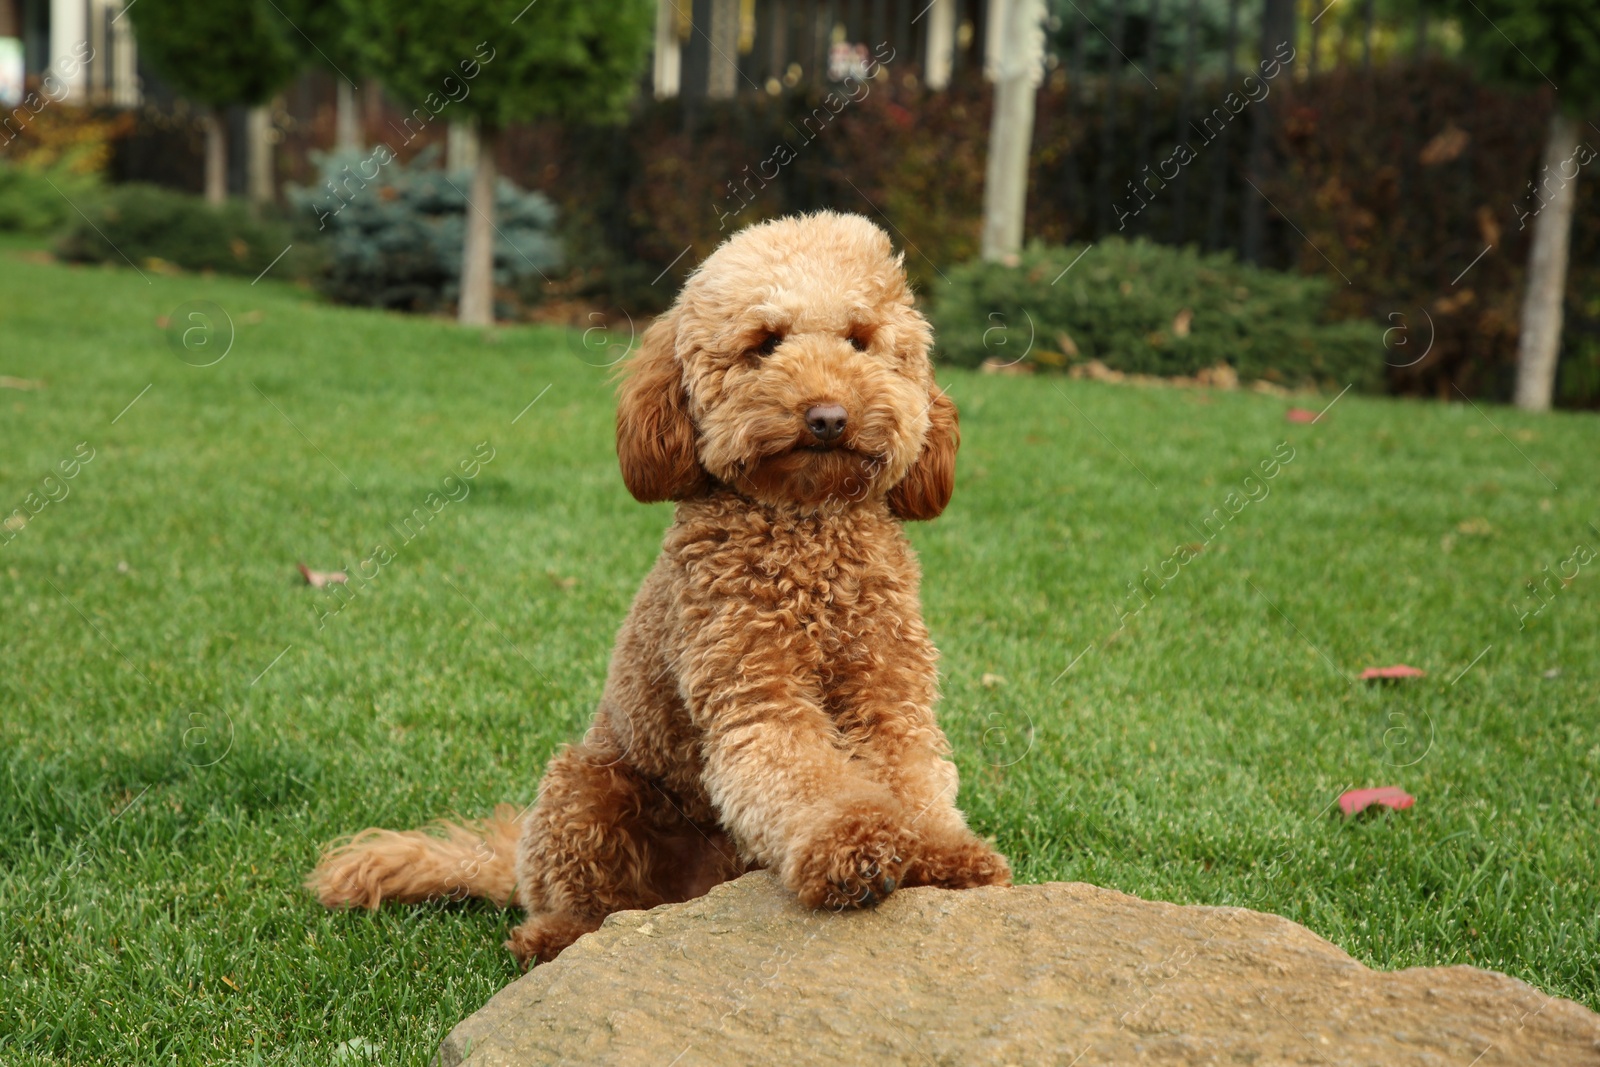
[446,861]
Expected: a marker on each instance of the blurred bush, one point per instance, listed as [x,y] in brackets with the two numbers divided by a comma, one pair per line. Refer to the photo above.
[1578,377]
[52,159]
[393,231]
[1401,179]
[681,176]
[79,139]
[1143,308]
[157,228]
[34,200]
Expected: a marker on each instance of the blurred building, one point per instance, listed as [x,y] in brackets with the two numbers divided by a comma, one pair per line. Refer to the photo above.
[726,48]
[703,48]
[85,48]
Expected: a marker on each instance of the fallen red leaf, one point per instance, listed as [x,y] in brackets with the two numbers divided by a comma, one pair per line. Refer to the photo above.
[1399,670]
[318,579]
[1300,415]
[1356,801]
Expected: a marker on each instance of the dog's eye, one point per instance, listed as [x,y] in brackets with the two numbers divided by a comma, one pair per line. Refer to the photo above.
[858,340]
[768,345]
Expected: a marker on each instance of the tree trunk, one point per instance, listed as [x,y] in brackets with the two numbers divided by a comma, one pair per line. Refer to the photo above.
[668,73]
[939,57]
[1017,73]
[216,157]
[258,121]
[461,146]
[347,118]
[1539,344]
[476,307]
[722,76]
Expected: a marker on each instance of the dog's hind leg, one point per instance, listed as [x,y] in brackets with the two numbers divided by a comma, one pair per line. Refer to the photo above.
[544,934]
[604,838]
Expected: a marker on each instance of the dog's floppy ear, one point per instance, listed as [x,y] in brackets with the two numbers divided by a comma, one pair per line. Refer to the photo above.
[655,438]
[926,488]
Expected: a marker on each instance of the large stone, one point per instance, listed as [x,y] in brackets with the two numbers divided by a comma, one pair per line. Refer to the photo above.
[1038,974]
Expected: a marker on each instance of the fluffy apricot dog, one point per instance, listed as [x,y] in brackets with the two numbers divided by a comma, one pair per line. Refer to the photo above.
[771,695]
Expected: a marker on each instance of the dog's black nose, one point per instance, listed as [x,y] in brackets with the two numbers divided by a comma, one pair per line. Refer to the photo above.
[825,421]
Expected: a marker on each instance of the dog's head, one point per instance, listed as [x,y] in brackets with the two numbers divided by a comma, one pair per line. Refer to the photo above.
[793,368]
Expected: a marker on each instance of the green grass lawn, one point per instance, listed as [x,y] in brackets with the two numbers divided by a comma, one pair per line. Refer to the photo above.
[178,735]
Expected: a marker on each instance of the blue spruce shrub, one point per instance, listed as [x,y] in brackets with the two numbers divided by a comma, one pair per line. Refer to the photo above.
[394,231]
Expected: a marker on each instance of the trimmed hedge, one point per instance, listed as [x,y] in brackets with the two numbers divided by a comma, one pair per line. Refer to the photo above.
[1144,308]
[152,227]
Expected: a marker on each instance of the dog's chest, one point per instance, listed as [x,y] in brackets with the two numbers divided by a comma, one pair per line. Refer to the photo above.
[834,589]
[826,579]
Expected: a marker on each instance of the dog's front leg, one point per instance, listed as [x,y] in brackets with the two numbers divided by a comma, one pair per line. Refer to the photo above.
[890,722]
[774,767]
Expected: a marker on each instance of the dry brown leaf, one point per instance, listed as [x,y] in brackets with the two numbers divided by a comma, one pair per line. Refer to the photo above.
[320,579]
[1446,145]
[996,366]
[1390,674]
[1355,801]
[1488,225]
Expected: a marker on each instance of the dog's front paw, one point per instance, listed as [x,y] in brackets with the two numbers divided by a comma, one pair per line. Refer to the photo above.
[854,858]
[963,861]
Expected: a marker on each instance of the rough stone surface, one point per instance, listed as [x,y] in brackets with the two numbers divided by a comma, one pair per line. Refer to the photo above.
[1039,974]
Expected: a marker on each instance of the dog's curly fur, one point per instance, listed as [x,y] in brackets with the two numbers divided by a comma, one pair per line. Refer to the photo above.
[771,695]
